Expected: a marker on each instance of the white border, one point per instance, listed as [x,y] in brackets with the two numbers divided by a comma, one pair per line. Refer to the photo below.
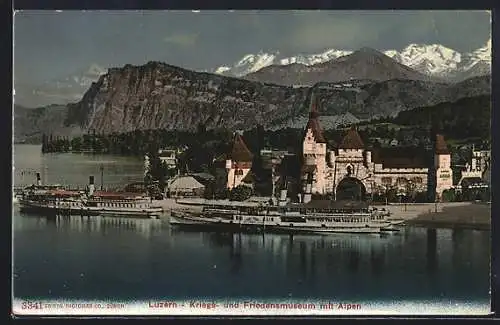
[246,307]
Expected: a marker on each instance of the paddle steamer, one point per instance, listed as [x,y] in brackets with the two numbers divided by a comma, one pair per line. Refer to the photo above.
[314,217]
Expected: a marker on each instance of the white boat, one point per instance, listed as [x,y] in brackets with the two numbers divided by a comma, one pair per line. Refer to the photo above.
[62,202]
[53,202]
[122,204]
[313,217]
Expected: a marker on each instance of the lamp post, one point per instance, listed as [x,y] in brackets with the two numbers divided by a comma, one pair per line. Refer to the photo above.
[386,191]
[102,176]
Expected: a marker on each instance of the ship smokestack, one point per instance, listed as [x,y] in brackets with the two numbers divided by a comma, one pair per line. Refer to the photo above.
[38,179]
[283,195]
[307,194]
[91,185]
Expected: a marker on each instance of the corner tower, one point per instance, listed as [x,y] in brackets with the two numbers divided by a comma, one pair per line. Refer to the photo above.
[314,152]
[442,166]
[239,163]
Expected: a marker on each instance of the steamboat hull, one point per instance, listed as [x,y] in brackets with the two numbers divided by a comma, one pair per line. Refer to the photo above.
[51,210]
[54,211]
[142,214]
[187,223]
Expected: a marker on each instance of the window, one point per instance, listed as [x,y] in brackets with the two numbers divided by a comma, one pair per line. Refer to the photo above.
[417,180]
[386,180]
[401,181]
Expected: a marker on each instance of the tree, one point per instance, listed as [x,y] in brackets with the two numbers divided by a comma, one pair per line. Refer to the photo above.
[449,195]
[158,170]
[421,197]
[240,193]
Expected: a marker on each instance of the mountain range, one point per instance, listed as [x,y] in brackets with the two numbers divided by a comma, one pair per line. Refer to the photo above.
[67,89]
[362,85]
[160,96]
[437,61]
[434,60]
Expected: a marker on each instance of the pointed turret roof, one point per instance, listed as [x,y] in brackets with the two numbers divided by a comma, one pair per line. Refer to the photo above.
[240,151]
[441,147]
[352,140]
[313,122]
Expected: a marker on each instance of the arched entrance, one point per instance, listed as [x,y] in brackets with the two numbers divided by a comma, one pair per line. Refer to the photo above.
[351,188]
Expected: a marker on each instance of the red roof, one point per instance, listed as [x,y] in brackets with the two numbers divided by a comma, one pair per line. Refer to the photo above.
[64,193]
[441,147]
[352,140]
[313,122]
[240,151]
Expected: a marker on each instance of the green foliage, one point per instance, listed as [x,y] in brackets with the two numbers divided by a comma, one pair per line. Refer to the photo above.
[55,144]
[473,194]
[466,118]
[449,195]
[221,194]
[421,197]
[392,195]
[240,193]
[158,171]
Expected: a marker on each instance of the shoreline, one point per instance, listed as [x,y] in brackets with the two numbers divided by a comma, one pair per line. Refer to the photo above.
[475,216]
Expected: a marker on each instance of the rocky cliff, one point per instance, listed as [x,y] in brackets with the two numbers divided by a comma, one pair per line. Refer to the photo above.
[157,95]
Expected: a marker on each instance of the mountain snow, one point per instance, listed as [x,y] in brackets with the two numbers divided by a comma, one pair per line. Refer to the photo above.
[248,64]
[434,59]
[481,55]
[314,58]
[62,90]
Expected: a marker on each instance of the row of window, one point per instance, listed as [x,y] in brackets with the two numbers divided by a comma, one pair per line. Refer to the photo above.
[118,205]
[401,180]
[348,220]
[264,219]
[66,204]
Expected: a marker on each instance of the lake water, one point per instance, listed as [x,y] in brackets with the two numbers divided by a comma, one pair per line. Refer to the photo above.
[124,259]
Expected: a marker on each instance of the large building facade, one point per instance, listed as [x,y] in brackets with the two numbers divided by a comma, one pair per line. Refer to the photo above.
[352,170]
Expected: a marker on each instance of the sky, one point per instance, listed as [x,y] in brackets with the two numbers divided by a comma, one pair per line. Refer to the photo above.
[50,45]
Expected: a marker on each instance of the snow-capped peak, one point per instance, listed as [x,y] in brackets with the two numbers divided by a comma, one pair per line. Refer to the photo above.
[311,59]
[66,88]
[434,59]
[431,59]
[249,63]
[478,58]
[483,53]
[222,69]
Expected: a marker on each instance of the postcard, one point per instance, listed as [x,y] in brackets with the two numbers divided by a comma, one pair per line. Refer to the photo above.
[251,163]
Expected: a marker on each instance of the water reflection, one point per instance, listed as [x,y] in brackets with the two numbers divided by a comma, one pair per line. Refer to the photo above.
[377,260]
[246,264]
[94,224]
[431,252]
[302,253]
